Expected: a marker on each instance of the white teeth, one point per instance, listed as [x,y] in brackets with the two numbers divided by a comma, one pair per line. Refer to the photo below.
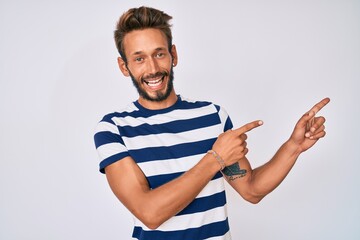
[154,83]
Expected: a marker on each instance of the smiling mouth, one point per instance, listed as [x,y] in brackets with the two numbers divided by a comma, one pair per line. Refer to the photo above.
[154,80]
[154,83]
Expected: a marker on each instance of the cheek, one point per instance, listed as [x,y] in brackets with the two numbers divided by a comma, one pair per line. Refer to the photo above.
[166,66]
[136,72]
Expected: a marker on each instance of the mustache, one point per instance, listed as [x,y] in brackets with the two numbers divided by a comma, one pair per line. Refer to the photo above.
[155,75]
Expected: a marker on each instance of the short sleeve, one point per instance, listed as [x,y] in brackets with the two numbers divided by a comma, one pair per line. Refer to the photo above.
[108,143]
[224,118]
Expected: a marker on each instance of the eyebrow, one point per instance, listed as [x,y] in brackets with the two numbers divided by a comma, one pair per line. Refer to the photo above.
[141,52]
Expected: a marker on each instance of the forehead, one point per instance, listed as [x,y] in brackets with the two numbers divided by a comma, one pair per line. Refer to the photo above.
[144,41]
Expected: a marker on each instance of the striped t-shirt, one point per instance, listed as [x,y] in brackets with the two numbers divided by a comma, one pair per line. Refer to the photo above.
[166,143]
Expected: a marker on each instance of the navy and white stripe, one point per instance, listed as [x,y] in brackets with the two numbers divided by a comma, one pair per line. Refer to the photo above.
[166,143]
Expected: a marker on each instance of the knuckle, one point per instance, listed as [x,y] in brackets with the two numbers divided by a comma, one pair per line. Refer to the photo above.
[246,150]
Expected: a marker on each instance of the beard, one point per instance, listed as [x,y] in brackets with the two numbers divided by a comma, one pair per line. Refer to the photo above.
[160,96]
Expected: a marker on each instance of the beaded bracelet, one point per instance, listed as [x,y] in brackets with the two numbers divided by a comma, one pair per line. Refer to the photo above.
[218,158]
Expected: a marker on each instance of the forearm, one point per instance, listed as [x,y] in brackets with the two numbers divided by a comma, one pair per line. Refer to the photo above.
[267,177]
[169,199]
[155,206]
[259,182]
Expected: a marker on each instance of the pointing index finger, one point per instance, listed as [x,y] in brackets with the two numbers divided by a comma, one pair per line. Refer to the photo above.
[317,107]
[248,127]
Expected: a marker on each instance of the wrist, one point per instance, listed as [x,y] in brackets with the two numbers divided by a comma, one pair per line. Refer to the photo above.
[217,157]
[292,147]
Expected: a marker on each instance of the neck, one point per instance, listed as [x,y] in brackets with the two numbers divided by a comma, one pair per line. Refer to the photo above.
[153,105]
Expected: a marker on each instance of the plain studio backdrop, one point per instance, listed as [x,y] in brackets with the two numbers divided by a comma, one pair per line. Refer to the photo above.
[269,60]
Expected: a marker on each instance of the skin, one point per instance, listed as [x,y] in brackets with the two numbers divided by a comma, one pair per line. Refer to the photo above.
[147,54]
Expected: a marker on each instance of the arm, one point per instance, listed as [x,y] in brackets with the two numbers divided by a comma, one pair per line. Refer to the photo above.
[155,206]
[264,179]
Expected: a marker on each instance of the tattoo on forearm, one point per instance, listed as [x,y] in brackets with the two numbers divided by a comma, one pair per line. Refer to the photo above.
[233,172]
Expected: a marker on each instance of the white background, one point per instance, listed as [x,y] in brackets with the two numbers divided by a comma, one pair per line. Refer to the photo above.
[269,60]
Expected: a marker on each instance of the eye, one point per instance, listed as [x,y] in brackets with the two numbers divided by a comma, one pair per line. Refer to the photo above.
[160,55]
[139,59]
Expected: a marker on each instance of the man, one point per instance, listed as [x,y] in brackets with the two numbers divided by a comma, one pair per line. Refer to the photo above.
[165,157]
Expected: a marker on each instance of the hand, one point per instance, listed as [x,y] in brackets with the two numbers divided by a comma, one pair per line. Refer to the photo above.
[309,129]
[231,145]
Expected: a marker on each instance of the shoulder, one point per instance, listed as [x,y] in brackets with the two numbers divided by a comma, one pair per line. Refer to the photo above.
[200,103]
[124,112]
[111,121]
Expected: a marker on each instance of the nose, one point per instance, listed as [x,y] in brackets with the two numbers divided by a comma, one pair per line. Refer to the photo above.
[153,66]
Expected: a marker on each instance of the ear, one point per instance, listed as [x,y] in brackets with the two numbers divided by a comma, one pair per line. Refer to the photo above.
[174,55]
[122,66]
